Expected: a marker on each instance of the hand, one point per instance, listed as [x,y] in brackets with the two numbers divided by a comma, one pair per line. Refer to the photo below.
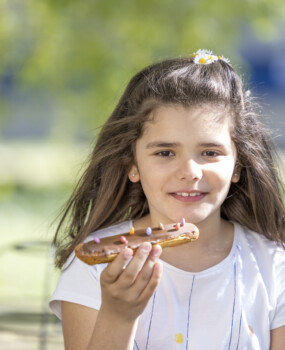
[126,291]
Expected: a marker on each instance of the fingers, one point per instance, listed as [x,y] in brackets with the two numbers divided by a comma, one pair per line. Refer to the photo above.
[141,265]
[147,270]
[136,264]
[126,291]
[152,284]
[114,269]
[150,273]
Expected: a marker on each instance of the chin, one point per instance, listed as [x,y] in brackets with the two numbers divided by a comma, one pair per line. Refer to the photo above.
[195,219]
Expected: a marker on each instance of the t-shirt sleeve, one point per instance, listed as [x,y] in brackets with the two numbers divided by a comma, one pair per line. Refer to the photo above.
[78,283]
[279,315]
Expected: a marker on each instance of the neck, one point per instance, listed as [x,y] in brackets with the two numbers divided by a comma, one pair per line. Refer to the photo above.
[213,245]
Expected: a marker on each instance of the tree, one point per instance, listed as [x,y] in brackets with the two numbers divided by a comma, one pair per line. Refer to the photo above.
[81,54]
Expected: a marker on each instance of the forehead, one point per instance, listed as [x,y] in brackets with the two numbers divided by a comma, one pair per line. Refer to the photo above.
[206,119]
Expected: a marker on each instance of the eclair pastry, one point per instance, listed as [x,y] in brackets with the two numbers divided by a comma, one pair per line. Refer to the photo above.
[105,250]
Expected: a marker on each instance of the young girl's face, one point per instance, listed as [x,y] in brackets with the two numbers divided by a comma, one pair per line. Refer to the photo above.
[185,163]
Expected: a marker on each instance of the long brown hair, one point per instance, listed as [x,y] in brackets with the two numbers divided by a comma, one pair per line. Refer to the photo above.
[104,195]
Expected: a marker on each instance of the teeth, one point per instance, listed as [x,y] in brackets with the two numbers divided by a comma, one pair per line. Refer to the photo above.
[185,194]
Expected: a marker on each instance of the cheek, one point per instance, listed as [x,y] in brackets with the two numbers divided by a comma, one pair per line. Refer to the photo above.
[221,175]
[150,180]
[152,170]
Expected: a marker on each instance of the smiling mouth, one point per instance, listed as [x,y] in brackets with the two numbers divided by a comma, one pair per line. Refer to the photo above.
[189,197]
[185,194]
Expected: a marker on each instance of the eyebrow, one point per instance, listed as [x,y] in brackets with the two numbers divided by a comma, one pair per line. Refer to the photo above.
[159,144]
[163,144]
[212,144]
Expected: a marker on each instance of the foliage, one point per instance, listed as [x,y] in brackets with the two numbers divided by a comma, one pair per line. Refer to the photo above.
[81,54]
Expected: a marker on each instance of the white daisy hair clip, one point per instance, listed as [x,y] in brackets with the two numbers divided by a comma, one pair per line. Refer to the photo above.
[203,56]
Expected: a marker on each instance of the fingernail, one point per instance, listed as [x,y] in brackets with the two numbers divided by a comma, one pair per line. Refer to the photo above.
[128,253]
[145,247]
[156,250]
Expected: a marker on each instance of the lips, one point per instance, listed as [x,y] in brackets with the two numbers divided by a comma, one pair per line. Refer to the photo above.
[189,196]
[186,194]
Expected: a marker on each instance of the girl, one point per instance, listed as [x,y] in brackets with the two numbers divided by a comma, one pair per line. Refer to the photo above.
[183,142]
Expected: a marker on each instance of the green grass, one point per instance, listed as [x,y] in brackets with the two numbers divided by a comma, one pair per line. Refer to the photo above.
[35,183]
[26,218]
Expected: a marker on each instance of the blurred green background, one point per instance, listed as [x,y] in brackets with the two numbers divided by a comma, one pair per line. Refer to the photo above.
[63,67]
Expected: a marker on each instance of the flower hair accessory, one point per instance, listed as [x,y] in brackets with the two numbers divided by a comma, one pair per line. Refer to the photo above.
[206,57]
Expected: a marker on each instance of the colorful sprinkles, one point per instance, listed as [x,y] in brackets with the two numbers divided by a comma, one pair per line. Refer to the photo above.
[148,231]
[124,239]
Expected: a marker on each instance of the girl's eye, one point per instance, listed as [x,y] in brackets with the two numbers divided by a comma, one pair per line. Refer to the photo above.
[165,154]
[210,154]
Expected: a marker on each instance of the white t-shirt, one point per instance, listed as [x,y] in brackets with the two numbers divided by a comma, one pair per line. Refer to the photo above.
[232,305]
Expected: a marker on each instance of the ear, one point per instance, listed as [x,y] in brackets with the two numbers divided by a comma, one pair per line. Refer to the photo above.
[133,174]
[236,175]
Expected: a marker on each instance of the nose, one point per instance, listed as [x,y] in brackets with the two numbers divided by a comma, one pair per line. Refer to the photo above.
[189,170]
